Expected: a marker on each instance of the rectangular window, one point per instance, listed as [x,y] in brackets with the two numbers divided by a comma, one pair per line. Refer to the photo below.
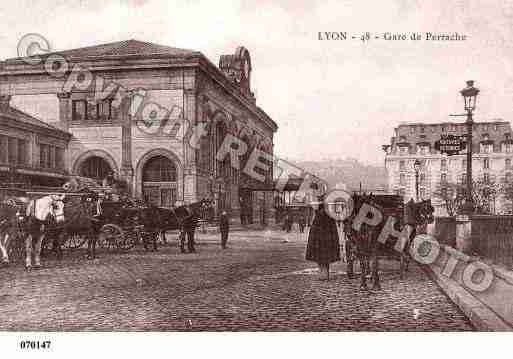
[423,150]
[43,155]
[487,148]
[508,163]
[104,110]
[402,179]
[92,114]
[59,158]
[443,165]
[79,112]
[422,193]
[486,163]
[486,177]
[51,157]
[464,164]
[3,149]
[402,165]
[12,149]
[507,147]
[443,177]
[22,152]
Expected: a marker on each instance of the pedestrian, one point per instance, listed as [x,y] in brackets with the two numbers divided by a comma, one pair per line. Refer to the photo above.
[323,242]
[302,223]
[189,227]
[224,228]
[288,223]
[181,237]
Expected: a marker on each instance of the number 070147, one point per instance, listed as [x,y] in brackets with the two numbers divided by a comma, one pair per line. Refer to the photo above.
[35,344]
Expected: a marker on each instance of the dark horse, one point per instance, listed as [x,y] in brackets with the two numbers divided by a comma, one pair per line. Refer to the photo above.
[158,220]
[366,244]
[189,217]
[80,218]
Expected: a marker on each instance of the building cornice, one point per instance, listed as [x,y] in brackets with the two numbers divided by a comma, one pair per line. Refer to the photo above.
[51,132]
[17,67]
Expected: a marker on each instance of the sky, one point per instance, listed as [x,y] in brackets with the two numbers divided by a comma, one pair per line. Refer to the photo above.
[330,99]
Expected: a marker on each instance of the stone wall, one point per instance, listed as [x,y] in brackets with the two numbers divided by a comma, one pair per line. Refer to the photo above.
[492,238]
[488,307]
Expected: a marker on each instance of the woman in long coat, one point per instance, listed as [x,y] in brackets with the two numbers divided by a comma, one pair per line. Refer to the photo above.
[323,242]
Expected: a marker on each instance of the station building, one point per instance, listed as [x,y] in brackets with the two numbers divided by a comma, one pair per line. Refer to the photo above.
[126,108]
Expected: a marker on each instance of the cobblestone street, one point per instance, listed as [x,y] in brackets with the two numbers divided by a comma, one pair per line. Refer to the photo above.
[261,282]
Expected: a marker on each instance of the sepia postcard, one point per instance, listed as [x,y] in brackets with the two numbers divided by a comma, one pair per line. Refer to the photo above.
[171,170]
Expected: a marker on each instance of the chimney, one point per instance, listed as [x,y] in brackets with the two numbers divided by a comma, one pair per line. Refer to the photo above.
[4,101]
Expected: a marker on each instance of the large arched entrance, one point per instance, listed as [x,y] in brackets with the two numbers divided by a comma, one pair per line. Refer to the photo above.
[95,167]
[159,181]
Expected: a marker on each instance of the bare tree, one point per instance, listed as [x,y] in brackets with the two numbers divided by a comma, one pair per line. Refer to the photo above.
[451,194]
[506,190]
[484,193]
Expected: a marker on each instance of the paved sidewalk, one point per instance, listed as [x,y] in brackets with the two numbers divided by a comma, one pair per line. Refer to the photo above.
[260,283]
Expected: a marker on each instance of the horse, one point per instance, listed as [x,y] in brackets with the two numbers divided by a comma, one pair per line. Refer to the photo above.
[160,220]
[364,244]
[155,221]
[152,219]
[188,218]
[11,224]
[41,213]
[81,219]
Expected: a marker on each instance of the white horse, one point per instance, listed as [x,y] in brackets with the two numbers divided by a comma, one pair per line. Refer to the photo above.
[39,211]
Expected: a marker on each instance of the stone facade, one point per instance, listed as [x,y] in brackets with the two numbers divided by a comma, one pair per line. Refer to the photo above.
[492,158]
[130,107]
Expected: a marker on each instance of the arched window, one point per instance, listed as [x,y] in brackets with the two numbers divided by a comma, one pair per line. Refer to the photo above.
[159,178]
[95,167]
[159,169]
[223,166]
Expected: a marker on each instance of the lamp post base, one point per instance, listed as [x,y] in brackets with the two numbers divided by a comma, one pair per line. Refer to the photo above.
[464,227]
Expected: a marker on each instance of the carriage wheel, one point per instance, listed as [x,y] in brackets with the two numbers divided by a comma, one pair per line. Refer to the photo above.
[110,236]
[75,241]
[128,240]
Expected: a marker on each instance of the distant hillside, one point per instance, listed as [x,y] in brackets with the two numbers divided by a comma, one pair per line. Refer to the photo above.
[349,171]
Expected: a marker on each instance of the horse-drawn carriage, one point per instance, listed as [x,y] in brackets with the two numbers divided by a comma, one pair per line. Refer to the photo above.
[369,243]
[70,217]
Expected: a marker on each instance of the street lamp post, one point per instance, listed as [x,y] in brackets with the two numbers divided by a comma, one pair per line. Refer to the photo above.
[469,94]
[416,166]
